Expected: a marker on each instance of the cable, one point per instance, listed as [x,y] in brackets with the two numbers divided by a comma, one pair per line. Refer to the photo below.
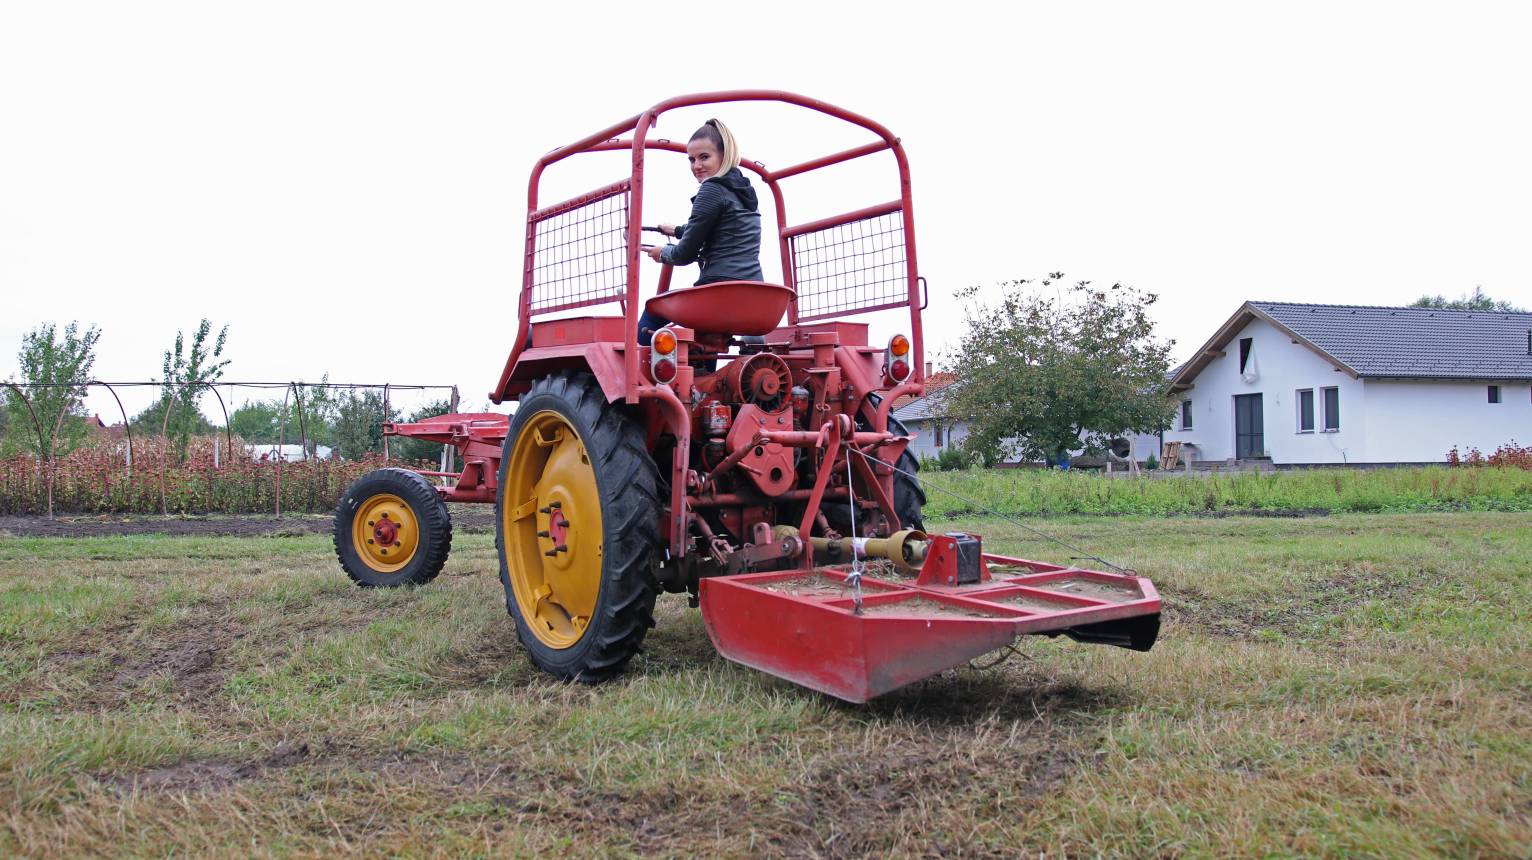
[1083,556]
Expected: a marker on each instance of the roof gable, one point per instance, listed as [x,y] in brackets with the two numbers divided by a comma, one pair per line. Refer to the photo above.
[1383,342]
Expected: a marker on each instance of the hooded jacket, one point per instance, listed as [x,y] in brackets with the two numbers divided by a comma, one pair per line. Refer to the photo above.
[723,232]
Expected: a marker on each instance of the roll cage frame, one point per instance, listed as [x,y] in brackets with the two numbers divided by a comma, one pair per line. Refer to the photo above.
[633,387]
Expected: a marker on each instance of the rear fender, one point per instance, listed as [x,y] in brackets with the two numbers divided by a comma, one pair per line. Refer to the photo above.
[601,360]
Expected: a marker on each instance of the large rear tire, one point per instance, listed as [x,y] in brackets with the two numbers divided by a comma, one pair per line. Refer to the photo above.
[392,529]
[909,497]
[577,525]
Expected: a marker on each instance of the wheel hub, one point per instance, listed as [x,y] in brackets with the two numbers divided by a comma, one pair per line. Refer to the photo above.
[385,533]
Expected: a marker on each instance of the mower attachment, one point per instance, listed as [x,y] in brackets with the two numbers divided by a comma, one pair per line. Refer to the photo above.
[804,625]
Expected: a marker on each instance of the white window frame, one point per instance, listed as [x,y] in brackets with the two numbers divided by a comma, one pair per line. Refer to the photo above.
[1324,410]
[1313,410]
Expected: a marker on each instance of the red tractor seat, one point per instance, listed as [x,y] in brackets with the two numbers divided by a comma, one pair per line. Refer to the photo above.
[725,307]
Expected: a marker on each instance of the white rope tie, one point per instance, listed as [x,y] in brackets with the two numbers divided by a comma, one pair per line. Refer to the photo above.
[855,577]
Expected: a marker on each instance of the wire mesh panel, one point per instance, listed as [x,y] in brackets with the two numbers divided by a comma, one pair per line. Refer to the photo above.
[580,253]
[849,268]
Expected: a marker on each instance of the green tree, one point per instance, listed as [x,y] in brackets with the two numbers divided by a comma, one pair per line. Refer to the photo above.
[149,421]
[257,421]
[415,450]
[188,373]
[1475,301]
[358,425]
[321,410]
[1046,371]
[54,369]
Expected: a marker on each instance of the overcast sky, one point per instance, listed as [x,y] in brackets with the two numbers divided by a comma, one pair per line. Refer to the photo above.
[344,184]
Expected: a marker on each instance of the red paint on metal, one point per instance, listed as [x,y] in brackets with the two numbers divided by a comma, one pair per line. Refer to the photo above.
[814,638]
[639,126]
[728,307]
[385,532]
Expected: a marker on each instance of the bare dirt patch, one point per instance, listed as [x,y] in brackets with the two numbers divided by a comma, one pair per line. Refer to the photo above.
[1290,614]
[198,777]
[190,654]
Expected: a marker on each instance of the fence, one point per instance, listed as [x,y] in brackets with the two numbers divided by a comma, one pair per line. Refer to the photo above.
[174,393]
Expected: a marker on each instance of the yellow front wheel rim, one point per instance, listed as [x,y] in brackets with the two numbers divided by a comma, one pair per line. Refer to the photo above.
[553,528]
[385,533]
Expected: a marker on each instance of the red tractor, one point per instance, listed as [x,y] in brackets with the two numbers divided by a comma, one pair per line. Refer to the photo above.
[746,456]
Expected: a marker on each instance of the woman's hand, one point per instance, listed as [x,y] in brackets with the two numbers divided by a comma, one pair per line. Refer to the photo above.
[654,251]
[668,230]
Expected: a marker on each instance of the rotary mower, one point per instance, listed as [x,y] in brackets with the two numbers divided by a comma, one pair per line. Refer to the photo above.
[746,456]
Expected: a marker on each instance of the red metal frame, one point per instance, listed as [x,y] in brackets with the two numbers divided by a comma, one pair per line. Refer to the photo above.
[807,627]
[608,140]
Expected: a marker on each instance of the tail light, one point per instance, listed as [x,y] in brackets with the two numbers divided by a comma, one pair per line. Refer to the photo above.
[662,355]
[896,362]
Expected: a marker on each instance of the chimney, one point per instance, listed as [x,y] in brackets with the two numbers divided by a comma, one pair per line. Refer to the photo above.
[1529,352]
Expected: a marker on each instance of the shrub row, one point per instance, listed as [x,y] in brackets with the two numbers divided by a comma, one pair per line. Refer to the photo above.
[97,480]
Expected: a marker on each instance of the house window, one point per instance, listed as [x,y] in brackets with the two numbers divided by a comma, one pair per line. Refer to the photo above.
[1186,415]
[1306,410]
[1332,408]
[1244,352]
[1494,394]
[938,435]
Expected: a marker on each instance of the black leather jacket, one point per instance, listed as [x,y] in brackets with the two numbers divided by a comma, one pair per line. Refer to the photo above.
[723,232]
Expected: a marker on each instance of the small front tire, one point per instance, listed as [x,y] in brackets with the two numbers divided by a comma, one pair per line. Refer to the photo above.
[392,529]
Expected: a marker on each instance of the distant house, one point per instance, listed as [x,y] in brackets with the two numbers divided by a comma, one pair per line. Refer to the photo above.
[927,418]
[286,453]
[1334,384]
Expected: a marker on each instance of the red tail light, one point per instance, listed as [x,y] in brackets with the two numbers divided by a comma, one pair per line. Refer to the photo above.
[896,361]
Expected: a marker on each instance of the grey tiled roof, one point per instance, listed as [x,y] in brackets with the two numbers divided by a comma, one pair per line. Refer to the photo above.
[1413,342]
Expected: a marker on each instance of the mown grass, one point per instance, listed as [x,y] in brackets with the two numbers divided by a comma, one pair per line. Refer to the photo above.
[1339,686]
[1403,490]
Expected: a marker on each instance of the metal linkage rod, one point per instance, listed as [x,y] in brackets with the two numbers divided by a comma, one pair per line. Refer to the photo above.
[1083,554]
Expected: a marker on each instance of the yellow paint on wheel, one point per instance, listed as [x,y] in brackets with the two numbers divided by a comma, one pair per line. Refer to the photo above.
[554,555]
[385,533]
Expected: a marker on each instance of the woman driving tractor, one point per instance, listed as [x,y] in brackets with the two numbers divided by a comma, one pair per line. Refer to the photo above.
[723,233]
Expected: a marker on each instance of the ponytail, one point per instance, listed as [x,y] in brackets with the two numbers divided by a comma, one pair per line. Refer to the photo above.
[718,134]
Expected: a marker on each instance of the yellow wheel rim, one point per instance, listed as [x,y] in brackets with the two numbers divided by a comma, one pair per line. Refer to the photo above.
[385,533]
[553,530]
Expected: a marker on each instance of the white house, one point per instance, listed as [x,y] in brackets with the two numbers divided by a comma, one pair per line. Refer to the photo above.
[1336,384]
[926,417]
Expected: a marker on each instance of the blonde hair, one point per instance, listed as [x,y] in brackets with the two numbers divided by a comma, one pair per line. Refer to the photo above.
[718,134]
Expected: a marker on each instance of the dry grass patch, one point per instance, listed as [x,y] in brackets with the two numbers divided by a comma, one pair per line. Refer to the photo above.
[1339,686]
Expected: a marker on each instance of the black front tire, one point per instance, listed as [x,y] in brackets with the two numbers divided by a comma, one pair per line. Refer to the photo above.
[433,544]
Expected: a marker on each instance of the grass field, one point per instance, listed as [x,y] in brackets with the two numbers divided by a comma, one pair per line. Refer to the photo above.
[1355,685]
[1426,489]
